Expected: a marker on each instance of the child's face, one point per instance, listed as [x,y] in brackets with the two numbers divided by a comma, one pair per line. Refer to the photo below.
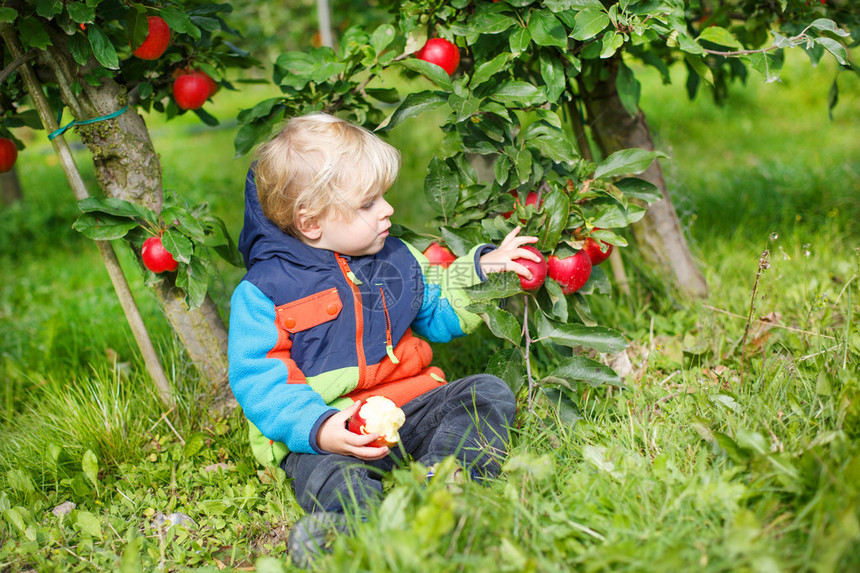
[365,234]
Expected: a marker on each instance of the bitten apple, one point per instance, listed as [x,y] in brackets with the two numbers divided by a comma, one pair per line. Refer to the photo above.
[156,258]
[539,270]
[598,251]
[441,52]
[570,272]
[378,415]
[8,154]
[157,39]
[439,255]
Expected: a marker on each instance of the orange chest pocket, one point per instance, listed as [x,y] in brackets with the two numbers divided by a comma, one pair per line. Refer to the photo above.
[310,311]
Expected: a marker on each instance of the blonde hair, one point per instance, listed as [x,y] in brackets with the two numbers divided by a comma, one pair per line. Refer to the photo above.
[319,162]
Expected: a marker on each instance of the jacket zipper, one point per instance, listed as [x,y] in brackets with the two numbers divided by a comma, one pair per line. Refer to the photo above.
[389,346]
[359,316]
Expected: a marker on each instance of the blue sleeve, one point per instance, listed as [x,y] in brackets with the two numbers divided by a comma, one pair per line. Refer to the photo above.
[266,382]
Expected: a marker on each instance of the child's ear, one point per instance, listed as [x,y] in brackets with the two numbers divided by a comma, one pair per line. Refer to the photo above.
[308,226]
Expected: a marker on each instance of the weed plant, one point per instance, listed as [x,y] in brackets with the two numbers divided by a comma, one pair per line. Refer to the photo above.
[735,445]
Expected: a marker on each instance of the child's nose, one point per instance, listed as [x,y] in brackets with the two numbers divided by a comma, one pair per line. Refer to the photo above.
[387,209]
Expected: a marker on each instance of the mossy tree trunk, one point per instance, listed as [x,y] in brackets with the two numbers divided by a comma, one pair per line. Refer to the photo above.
[127,167]
[658,234]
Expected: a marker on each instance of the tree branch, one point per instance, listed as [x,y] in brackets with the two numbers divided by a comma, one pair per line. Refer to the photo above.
[16,63]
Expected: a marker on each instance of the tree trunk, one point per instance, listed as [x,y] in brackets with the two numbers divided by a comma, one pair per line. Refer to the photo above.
[127,167]
[659,233]
[10,187]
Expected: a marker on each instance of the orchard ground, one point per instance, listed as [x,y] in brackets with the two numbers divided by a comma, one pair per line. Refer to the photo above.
[717,456]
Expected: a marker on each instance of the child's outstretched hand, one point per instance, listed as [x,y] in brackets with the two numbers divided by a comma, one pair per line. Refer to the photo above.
[333,437]
[502,258]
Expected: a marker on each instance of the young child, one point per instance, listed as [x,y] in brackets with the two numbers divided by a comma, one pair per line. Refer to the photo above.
[327,315]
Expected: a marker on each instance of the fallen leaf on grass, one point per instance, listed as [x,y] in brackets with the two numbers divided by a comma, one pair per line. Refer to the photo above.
[218,466]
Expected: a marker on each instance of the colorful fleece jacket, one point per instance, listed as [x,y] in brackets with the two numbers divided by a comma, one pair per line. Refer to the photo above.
[312,331]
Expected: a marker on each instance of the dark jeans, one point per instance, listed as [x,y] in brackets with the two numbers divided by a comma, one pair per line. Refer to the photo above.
[468,418]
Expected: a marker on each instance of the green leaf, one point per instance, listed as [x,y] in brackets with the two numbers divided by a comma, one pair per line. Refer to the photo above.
[433,72]
[546,30]
[829,26]
[7,15]
[518,93]
[89,524]
[103,48]
[600,338]
[838,50]
[20,481]
[556,205]
[501,323]
[625,162]
[79,47]
[441,186]
[721,37]
[194,444]
[612,42]
[103,227]
[47,9]
[118,207]
[382,37]
[767,64]
[566,407]
[497,285]
[700,67]
[185,222]
[178,245]
[507,364]
[629,89]
[33,34]
[90,465]
[552,72]
[488,69]
[487,22]
[586,370]
[180,22]
[194,281]
[413,105]
[639,189]
[589,23]
[252,133]
[520,39]
[80,12]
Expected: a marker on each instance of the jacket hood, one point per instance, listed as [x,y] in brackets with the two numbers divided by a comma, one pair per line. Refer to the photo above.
[261,239]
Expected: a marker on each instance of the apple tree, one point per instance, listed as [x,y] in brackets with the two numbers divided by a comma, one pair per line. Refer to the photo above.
[534,83]
[103,61]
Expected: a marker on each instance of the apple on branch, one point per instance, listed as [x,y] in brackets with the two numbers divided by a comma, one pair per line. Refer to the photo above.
[598,251]
[378,415]
[538,270]
[439,255]
[570,272]
[531,199]
[191,90]
[441,52]
[8,154]
[156,258]
[157,39]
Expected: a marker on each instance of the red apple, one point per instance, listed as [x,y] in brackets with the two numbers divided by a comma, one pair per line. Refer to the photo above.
[539,270]
[155,257]
[441,52]
[598,251]
[156,39]
[8,154]
[378,415]
[190,91]
[213,85]
[570,272]
[531,199]
[439,255]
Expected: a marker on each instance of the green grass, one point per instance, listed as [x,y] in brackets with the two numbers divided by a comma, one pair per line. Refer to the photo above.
[714,458]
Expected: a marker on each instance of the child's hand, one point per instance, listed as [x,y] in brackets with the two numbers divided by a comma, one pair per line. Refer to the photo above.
[333,437]
[501,259]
